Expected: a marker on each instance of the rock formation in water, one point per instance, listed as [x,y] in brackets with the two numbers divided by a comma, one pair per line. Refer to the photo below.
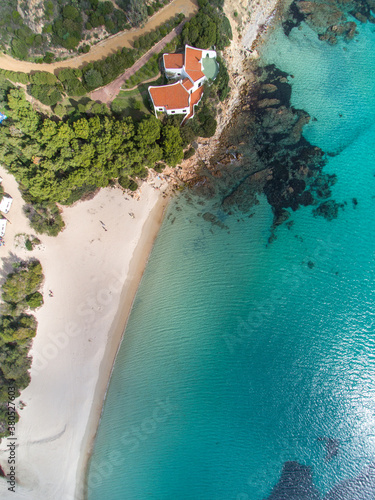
[361,487]
[268,154]
[332,447]
[329,18]
[295,483]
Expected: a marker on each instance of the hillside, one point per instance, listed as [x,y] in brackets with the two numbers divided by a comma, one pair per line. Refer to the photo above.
[49,30]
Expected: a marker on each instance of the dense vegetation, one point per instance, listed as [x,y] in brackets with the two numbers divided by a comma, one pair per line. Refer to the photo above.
[52,159]
[20,292]
[210,27]
[83,146]
[49,89]
[63,23]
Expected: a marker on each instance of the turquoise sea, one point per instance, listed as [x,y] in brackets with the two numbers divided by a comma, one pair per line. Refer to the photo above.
[239,355]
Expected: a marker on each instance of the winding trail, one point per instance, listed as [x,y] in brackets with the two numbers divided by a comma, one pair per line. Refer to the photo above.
[109,92]
[107,46]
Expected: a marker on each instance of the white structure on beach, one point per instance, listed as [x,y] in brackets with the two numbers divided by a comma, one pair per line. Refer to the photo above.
[3,225]
[5,204]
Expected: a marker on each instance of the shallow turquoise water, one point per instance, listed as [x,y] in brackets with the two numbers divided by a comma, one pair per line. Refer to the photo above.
[238,355]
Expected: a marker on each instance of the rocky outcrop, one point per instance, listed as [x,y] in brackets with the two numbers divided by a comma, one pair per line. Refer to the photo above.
[33,14]
[329,18]
[264,152]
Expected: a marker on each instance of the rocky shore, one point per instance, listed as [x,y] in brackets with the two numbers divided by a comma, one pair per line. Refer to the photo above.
[264,152]
[259,147]
[330,20]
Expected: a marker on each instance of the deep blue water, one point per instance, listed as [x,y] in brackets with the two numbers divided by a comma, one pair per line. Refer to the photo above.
[239,355]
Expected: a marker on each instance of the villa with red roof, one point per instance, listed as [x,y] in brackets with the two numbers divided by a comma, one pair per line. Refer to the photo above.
[191,70]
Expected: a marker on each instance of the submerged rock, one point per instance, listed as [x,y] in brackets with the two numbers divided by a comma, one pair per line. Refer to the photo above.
[329,18]
[295,483]
[332,447]
[328,209]
[361,487]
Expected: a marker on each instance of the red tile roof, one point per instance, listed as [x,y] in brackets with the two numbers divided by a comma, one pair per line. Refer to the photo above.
[193,66]
[173,61]
[195,97]
[173,96]
[187,84]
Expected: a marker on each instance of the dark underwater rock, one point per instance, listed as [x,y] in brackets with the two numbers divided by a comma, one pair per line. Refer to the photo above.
[294,19]
[328,209]
[320,16]
[361,487]
[332,447]
[295,484]
[329,18]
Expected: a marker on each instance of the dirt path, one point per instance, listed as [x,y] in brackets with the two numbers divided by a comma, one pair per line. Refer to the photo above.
[109,92]
[108,46]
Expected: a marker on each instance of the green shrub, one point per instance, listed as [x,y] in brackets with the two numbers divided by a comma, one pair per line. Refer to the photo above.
[189,153]
[45,218]
[34,300]
[159,167]
[49,57]
[23,282]
[16,331]
[43,78]
[15,76]
[93,79]
[84,49]
[19,49]
[28,245]
[127,183]
[70,12]
[46,94]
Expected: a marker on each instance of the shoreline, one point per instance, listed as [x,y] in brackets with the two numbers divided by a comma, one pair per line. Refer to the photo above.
[247,36]
[137,267]
[265,14]
[80,329]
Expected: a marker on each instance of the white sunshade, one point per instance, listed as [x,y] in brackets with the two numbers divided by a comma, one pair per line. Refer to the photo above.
[5,204]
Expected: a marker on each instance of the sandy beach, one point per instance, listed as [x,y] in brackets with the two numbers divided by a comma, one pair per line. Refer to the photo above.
[93,271]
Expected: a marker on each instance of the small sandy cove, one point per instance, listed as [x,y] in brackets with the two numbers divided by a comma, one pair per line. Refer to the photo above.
[93,269]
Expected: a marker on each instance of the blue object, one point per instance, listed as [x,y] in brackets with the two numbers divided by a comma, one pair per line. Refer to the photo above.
[2,117]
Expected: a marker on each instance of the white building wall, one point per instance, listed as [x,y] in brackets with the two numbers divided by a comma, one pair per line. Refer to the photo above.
[199,83]
[209,53]
[177,111]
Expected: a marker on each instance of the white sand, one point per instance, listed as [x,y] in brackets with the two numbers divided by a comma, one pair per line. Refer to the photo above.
[93,274]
